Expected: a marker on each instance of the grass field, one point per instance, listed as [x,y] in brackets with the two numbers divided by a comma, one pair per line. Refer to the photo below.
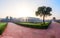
[35,25]
[2,27]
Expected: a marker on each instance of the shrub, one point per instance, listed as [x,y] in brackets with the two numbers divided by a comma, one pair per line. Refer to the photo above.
[35,25]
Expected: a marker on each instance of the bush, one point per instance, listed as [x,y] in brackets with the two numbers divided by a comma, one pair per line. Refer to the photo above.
[35,25]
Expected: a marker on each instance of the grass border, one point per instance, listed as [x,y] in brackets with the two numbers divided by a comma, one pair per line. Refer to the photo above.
[36,27]
[1,32]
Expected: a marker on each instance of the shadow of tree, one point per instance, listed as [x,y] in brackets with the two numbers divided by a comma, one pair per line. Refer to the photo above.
[52,36]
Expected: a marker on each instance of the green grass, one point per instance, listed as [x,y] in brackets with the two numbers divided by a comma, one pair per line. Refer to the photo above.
[2,27]
[35,25]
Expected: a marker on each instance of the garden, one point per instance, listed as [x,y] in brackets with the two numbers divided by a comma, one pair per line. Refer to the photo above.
[37,25]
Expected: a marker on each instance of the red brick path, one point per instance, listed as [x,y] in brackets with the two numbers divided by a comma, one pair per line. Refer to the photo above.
[16,31]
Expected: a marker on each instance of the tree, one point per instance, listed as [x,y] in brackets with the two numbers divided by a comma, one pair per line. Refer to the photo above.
[54,19]
[43,12]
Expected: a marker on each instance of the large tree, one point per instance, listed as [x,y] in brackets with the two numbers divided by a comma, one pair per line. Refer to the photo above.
[43,11]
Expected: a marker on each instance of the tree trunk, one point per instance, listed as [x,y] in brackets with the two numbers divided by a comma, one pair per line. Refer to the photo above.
[44,19]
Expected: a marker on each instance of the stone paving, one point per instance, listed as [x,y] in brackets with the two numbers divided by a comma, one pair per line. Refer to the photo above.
[16,31]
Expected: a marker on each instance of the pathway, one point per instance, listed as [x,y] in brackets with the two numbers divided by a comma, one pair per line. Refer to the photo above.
[16,31]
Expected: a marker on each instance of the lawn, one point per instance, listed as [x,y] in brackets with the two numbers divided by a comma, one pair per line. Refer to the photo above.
[2,27]
[38,25]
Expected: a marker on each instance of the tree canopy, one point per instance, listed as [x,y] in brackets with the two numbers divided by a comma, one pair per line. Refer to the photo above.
[43,11]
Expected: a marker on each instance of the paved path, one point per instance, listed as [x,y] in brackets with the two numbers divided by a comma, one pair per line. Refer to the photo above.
[16,31]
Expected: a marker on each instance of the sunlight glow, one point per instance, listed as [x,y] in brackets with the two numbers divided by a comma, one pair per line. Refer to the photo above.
[27,8]
[24,10]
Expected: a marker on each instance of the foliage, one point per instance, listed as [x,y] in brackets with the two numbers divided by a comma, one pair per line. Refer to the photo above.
[35,25]
[43,11]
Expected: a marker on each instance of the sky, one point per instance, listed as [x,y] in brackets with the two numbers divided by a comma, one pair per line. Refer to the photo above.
[27,8]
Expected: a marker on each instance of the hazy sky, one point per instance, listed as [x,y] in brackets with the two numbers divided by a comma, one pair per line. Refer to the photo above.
[24,8]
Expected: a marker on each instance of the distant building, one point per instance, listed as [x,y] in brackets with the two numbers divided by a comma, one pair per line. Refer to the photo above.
[11,19]
[22,19]
[29,19]
[7,19]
